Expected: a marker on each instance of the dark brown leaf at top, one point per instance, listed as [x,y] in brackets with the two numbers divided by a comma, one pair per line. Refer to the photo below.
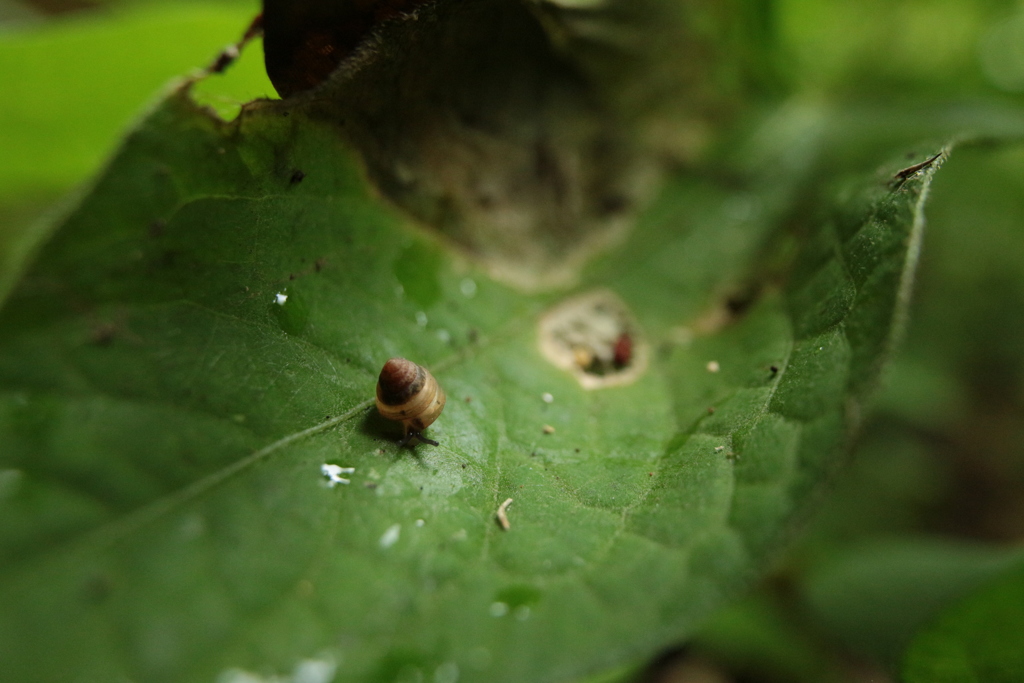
[305,40]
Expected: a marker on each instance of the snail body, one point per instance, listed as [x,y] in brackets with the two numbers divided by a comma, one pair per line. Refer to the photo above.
[408,393]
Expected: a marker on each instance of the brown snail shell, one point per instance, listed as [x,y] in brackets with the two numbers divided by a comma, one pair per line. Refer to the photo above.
[408,393]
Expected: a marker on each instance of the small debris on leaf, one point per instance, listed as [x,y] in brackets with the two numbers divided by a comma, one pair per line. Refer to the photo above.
[333,474]
[503,514]
[901,177]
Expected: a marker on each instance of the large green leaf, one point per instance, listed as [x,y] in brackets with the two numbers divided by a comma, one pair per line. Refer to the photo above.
[165,414]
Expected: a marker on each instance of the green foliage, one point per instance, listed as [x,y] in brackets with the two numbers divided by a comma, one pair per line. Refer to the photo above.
[874,597]
[978,639]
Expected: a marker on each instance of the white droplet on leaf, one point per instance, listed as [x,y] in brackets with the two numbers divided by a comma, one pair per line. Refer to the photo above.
[390,536]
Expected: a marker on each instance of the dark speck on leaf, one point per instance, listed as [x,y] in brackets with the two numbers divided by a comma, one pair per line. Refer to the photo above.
[774,369]
[156,228]
[297,177]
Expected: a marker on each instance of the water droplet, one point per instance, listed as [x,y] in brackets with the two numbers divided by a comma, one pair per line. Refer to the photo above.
[314,671]
[421,318]
[238,676]
[468,288]
[498,609]
[390,536]
[447,673]
[522,613]
[547,398]
[280,298]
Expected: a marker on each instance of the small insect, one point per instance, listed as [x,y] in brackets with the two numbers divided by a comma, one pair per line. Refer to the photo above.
[408,393]
[901,177]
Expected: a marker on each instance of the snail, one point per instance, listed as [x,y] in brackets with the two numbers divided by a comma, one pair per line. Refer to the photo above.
[408,393]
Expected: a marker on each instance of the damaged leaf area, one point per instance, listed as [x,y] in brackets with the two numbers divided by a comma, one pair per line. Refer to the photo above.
[489,122]
[187,376]
[195,482]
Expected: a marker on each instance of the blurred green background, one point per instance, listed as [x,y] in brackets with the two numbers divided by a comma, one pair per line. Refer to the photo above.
[932,504]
